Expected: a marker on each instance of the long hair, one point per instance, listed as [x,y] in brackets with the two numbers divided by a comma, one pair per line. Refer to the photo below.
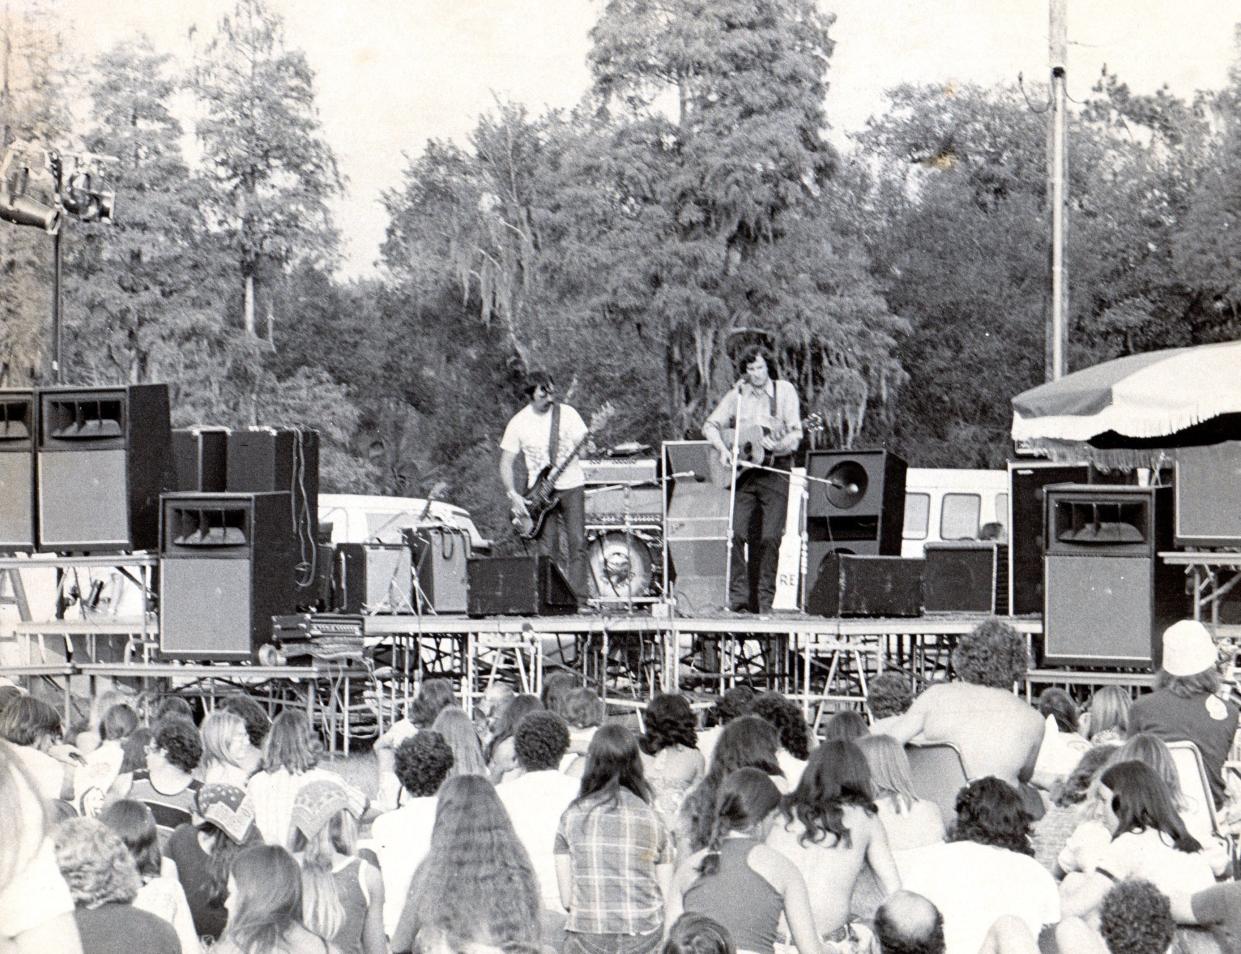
[268,899]
[322,911]
[290,745]
[27,721]
[747,796]
[846,726]
[1206,682]
[989,812]
[513,712]
[669,721]
[1141,801]
[836,775]
[613,762]
[746,742]
[1109,709]
[476,883]
[434,696]
[220,858]
[789,722]
[458,731]
[135,825]
[695,933]
[1153,751]
[1076,787]
[220,732]
[890,774]
[1060,706]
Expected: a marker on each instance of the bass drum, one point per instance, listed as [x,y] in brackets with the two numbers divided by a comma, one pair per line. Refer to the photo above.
[620,565]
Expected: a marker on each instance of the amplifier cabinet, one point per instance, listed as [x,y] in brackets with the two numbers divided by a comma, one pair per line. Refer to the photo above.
[851,585]
[441,567]
[518,586]
[964,577]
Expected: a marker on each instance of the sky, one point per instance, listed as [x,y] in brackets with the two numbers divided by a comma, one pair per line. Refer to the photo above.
[392,74]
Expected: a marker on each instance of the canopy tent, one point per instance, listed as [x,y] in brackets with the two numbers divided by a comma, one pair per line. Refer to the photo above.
[1134,411]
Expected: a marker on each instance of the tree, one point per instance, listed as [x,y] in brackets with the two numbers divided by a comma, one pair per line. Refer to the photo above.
[271,171]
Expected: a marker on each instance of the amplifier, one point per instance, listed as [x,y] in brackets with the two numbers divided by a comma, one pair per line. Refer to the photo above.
[372,578]
[518,586]
[440,557]
[301,626]
[620,470]
[851,585]
[966,577]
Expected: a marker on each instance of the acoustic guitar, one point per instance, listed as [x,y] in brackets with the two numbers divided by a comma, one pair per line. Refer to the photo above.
[750,449]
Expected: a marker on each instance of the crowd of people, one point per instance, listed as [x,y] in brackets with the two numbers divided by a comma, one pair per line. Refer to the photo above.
[541,825]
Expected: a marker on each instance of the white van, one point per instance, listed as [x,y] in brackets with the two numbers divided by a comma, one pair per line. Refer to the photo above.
[357,518]
[951,504]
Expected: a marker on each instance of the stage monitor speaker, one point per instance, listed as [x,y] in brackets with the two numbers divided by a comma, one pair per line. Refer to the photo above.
[1026,480]
[226,568]
[851,585]
[440,556]
[373,578]
[104,457]
[696,526]
[965,577]
[200,455]
[862,505]
[518,586]
[17,471]
[1208,504]
[1108,595]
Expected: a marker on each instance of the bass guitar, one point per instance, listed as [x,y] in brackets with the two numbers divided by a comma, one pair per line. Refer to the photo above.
[541,499]
[750,449]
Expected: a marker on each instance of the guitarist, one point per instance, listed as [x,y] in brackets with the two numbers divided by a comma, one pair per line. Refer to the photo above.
[761,497]
[530,433]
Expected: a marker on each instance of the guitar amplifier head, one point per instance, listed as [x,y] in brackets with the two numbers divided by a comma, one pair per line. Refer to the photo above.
[619,470]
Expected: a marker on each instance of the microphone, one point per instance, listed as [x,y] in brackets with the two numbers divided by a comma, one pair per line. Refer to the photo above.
[849,488]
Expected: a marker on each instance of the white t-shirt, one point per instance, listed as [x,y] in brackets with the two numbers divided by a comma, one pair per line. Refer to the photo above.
[529,433]
[400,840]
[1149,855]
[273,794]
[535,801]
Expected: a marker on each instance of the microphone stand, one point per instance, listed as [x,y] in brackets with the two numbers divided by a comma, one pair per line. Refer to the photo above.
[732,500]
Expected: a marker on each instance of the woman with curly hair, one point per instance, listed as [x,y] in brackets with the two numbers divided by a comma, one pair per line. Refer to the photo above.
[829,828]
[910,821]
[746,742]
[167,785]
[733,704]
[670,756]
[265,906]
[794,734]
[476,884]
[501,755]
[104,881]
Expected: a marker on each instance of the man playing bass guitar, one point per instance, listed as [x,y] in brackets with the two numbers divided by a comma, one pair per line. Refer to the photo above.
[530,433]
[759,400]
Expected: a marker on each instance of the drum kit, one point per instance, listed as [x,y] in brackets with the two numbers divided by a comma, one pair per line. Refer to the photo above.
[624,524]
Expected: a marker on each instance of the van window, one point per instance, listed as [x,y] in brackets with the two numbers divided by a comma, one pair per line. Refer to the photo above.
[917,516]
[388,524]
[959,516]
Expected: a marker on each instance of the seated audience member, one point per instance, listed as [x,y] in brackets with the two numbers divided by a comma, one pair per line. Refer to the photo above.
[33,728]
[104,881]
[996,733]
[829,827]
[739,881]
[1149,842]
[1135,918]
[501,757]
[476,885]
[1069,809]
[908,923]
[732,705]
[458,731]
[205,849]
[91,737]
[104,763]
[792,730]
[167,785]
[495,697]
[265,906]
[557,687]
[434,695]
[258,724]
[1063,744]
[342,895]
[613,851]
[910,821]
[986,872]
[134,750]
[535,799]
[1186,704]
[746,742]
[174,707]
[290,760]
[1217,908]
[36,909]
[161,893]
[670,756]
[402,837]
[584,711]
[226,750]
[698,934]
[845,725]
[1107,720]
[889,695]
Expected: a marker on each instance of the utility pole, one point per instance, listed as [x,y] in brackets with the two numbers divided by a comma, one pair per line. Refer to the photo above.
[1058,191]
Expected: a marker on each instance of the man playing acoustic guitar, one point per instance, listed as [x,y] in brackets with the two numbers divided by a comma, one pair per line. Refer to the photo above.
[768,408]
[530,432]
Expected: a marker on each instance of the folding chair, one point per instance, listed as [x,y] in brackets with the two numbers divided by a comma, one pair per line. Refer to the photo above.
[938,774]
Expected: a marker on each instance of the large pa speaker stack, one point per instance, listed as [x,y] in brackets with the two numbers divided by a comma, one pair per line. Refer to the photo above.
[1108,595]
[1026,483]
[1208,495]
[104,456]
[226,568]
[17,472]
[200,455]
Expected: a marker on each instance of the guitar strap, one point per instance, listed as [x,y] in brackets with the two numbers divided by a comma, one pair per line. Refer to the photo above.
[553,440]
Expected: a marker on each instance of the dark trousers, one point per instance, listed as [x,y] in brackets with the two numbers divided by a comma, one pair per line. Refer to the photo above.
[762,504]
[566,525]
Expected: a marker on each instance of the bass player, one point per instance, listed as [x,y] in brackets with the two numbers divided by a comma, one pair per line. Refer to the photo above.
[546,432]
[759,400]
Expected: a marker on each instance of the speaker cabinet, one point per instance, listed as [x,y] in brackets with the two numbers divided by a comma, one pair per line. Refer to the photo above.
[1108,595]
[518,586]
[1208,495]
[17,471]
[104,457]
[440,556]
[861,507]
[696,526]
[226,568]
[200,455]
[1026,483]
[965,577]
[852,585]
[372,578]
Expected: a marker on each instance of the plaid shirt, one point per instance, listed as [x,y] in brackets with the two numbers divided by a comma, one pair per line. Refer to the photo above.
[614,850]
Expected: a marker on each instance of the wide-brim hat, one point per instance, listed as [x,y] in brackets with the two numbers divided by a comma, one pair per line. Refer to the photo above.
[1188,649]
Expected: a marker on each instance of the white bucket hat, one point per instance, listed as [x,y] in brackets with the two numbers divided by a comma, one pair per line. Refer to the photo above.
[1188,649]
